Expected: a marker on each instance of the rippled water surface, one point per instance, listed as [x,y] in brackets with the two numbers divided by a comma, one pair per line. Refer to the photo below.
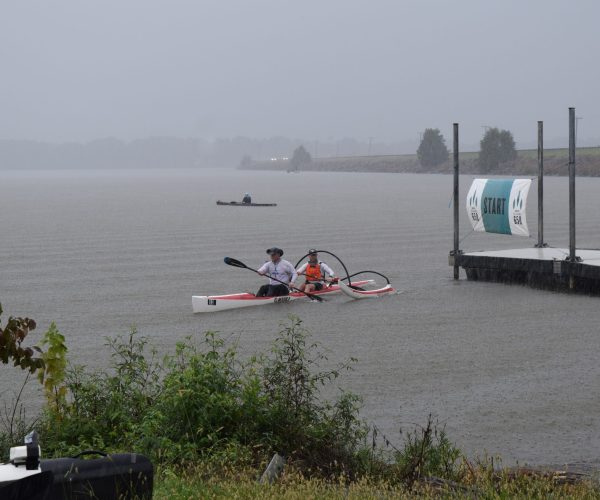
[509,370]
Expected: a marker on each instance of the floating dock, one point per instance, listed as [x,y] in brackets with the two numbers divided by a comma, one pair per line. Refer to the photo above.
[547,268]
[561,269]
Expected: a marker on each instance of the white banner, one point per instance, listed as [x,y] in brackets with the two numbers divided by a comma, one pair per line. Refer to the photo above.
[499,206]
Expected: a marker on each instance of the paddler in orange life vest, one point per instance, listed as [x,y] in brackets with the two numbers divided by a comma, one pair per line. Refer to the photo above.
[315,273]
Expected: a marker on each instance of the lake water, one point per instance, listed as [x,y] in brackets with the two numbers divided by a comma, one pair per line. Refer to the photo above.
[509,370]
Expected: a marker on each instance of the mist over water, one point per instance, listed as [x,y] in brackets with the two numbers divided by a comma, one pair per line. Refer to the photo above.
[509,370]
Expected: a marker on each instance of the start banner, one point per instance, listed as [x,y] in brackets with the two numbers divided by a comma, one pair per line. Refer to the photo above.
[499,206]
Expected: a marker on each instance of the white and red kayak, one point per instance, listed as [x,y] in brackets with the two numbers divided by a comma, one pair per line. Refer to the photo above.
[364,294]
[214,303]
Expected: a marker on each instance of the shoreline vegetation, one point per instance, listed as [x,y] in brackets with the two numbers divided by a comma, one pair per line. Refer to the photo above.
[210,424]
[526,164]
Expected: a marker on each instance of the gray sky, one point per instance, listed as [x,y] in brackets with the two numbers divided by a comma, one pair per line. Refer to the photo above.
[313,69]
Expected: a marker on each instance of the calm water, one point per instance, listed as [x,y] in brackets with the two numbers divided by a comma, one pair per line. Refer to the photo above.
[507,369]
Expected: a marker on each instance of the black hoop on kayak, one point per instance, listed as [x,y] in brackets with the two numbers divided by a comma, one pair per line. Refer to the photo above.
[348,275]
[371,272]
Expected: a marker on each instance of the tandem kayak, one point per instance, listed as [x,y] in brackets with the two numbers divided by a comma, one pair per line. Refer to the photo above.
[214,303]
[364,294]
[241,204]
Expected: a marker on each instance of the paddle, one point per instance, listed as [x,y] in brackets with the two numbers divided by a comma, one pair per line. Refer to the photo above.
[236,263]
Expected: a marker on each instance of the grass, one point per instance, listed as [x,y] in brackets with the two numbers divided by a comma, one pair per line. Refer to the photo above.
[197,482]
[205,482]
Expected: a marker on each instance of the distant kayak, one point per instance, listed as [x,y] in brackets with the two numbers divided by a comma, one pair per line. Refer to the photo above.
[240,204]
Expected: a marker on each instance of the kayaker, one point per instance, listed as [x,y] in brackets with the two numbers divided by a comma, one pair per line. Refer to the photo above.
[315,273]
[281,270]
[247,198]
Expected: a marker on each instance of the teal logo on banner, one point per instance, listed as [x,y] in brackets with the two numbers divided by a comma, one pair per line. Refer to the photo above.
[495,208]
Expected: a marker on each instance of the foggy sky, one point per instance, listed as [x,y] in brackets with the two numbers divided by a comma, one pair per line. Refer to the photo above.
[75,70]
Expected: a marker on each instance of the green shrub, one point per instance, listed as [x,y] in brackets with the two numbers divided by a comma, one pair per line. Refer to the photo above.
[102,408]
[320,434]
[55,363]
[201,404]
[49,365]
[211,402]
[206,401]
[427,452]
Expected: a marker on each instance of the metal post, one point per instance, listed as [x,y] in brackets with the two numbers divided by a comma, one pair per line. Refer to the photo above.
[456,202]
[540,184]
[572,256]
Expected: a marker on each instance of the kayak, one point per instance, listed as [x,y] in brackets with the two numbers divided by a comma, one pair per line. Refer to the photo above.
[365,294]
[241,204]
[215,303]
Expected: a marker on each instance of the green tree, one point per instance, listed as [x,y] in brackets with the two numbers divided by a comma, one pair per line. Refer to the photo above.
[432,150]
[300,157]
[497,147]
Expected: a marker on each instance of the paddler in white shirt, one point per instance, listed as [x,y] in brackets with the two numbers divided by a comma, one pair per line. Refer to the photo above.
[315,273]
[279,269]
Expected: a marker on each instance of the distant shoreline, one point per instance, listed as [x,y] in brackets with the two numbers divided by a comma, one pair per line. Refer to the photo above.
[555,164]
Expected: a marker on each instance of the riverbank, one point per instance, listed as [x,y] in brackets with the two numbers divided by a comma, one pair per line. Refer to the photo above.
[555,163]
[210,423]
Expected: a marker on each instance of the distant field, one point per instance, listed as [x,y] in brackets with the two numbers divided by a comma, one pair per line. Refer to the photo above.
[473,155]
[560,152]
[522,153]
[588,163]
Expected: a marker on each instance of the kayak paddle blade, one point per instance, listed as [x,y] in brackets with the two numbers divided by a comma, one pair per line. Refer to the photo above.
[234,262]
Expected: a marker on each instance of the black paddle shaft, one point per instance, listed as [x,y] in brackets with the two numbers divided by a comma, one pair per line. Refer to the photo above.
[236,263]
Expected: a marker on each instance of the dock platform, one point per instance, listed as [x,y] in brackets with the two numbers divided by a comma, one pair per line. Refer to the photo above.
[547,268]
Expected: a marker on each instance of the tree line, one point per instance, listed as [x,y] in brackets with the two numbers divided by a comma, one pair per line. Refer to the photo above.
[497,148]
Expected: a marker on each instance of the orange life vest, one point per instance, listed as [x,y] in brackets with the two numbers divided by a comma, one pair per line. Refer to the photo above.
[313,272]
